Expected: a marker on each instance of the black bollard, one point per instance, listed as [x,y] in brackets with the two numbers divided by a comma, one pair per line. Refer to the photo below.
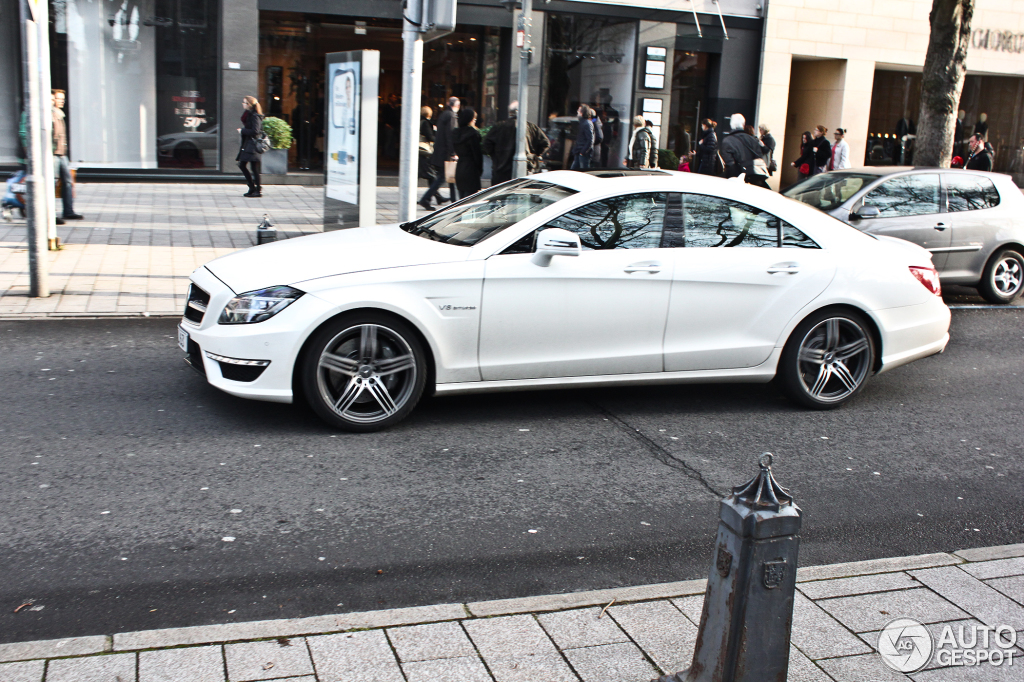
[747,618]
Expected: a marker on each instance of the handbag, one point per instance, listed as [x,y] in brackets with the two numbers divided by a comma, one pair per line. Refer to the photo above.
[772,167]
[760,167]
[449,171]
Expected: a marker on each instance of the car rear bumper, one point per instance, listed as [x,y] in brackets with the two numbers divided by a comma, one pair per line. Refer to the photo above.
[913,332]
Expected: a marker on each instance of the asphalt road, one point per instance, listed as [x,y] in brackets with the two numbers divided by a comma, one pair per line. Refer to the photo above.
[124,474]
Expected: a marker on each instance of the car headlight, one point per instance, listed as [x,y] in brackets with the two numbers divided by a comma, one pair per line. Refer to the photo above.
[259,305]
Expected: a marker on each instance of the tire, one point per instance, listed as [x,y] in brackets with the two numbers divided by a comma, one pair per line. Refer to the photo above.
[827,360]
[364,372]
[1003,278]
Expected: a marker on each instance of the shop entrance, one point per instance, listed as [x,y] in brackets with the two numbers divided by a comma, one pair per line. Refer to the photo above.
[291,76]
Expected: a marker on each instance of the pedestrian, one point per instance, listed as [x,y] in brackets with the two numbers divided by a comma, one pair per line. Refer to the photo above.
[840,159]
[248,156]
[426,145]
[638,125]
[584,145]
[500,145]
[595,154]
[467,149]
[768,142]
[822,149]
[60,158]
[707,149]
[981,157]
[805,163]
[645,151]
[444,150]
[741,151]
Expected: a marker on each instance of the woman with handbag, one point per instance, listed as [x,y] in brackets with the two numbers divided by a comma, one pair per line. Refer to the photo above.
[426,146]
[805,164]
[707,150]
[249,153]
[470,165]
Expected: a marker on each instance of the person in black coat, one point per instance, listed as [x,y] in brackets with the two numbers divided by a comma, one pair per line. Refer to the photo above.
[981,157]
[707,149]
[822,150]
[739,149]
[444,150]
[805,164]
[426,144]
[248,158]
[584,147]
[768,142]
[471,159]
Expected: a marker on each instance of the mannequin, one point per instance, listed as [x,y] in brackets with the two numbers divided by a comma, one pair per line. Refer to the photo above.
[981,127]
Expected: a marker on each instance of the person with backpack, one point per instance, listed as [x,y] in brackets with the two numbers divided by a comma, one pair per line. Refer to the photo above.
[740,152]
[254,143]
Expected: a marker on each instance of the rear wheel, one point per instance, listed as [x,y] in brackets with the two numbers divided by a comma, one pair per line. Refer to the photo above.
[827,360]
[364,372]
[1003,278]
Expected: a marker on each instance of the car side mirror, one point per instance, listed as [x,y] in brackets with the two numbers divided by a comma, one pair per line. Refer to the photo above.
[554,241]
[866,212]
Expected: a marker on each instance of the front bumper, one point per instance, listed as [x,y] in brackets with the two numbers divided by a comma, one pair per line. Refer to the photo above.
[276,341]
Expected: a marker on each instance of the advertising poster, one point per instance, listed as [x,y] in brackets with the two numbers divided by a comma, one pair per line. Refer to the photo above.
[343,131]
[350,151]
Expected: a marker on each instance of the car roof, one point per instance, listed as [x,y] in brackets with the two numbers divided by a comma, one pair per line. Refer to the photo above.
[882,171]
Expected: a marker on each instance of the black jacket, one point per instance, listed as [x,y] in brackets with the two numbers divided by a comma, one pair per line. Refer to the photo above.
[471,161]
[426,130]
[806,156]
[706,151]
[252,126]
[584,138]
[500,145]
[981,161]
[738,152]
[444,138]
[644,153]
[822,151]
[768,142]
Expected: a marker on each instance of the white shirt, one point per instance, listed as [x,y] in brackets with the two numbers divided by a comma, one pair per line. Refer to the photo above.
[840,155]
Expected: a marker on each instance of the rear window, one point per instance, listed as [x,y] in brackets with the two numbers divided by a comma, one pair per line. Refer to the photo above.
[829,190]
[968,192]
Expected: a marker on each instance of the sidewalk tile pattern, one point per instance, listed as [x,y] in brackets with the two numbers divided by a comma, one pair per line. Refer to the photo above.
[834,638]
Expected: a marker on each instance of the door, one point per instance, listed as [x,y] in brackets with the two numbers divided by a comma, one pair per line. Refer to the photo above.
[740,276]
[909,208]
[602,312]
[972,225]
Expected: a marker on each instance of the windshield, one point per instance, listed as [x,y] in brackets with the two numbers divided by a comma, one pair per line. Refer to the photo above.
[828,191]
[478,217]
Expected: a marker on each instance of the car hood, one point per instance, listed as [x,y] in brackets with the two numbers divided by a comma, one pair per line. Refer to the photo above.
[293,261]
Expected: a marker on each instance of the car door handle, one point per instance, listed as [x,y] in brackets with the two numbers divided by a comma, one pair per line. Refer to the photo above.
[649,267]
[786,268]
[940,227]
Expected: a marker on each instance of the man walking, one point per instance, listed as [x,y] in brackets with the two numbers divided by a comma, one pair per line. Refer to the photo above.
[739,150]
[500,145]
[981,157]
[840,159]
[60,157]
[444,150]
[644,153]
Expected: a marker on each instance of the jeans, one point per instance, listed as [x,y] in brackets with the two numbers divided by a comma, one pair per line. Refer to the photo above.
[581,162]
[67,194]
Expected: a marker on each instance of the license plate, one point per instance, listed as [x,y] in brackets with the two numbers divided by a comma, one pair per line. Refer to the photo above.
[182,339]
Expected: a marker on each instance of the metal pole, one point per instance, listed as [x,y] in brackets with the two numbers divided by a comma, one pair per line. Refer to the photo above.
[523,30]
[408,158]
[35,187]
[46,119]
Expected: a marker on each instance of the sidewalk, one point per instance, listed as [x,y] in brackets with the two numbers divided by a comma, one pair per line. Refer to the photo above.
[627,634]
[139,242]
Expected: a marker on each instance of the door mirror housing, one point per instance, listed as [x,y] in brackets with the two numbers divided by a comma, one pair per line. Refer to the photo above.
[865,212]
[554,241]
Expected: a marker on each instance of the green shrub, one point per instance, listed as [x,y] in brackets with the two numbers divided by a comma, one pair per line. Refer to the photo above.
[279,132]
[667,159]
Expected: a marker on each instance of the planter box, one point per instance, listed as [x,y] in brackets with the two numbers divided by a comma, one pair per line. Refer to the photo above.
[274,162]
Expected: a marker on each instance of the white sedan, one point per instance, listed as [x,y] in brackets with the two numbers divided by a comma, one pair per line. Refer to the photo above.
[566,279]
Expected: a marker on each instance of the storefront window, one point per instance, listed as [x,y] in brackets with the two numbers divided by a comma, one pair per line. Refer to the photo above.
[689,90]
[588,60]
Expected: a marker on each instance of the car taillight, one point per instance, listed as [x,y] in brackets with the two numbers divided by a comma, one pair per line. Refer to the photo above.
[929,277]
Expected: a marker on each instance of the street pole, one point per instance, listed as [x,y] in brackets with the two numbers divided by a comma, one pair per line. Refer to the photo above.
[37,195]
[523,40]
[408,157]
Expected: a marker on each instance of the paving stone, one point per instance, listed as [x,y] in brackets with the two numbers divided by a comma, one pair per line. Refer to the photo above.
[973,596]
[691,607]
[802,669]
[267,660]
[842,587]
[661,630]
[192,664]
[517,649]
[1000,568]
[870,566]
[51,648]
[934,629]
[865,668]
[354,657]
[25,671]
[984,673]
[818,635]
[107,668]
[429,642]
[1012,587]
[581,627]
[868,612]
[467,669]
[990,553]
[619,662]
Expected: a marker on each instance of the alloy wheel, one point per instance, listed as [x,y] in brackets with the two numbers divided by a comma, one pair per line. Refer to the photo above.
[1007,277]
[833,360]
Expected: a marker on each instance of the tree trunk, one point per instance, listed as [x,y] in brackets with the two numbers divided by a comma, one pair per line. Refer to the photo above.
[943,81]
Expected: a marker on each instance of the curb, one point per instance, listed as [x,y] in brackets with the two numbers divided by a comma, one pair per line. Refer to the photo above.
[417,615]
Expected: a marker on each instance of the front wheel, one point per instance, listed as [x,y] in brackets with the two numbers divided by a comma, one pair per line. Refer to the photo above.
[364,372]
[1003,278]
[827,360]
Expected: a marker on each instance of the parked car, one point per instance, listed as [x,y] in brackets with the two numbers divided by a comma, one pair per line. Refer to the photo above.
[565,279]
[972,222]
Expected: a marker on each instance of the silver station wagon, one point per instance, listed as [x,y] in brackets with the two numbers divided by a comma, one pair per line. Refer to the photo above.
[972,222]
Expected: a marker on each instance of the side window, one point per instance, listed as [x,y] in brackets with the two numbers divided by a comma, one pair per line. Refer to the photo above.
[715,222]
[631,221]
[969,192]
[793,238]
[906,195]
